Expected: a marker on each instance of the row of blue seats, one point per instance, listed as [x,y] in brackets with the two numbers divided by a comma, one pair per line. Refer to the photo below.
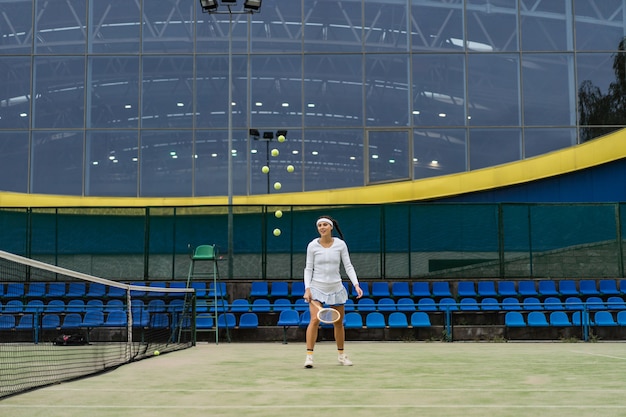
[90,319]
[563,319]
[50,290]
[438,289]
[80,306]
[292,318]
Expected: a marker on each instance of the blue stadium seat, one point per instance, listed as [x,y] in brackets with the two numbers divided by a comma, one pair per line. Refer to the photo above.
[527,288]
[114,304]
[400,289]
[573,303]
[75,306]
[406,304]
[297,289]
[94,318]
[34,306]
[288,318]
[622,286]
[365,287]
[76,290]
[55,306]
[511,304]
[55,290]
[420,319]
[116,318]
[489,304]
[547,288]
[221,306]
[305,318]
[366,304]
[604,318]
[204,321]
[248,321]
[200,287]
[608,287]
[279,289]
[537,319]
[353,320]
[441,289]
[553,303]
[595,303]
[14,306]
[14,290]
[96,290]
[559,319]
[26,322]
[447,304]
[116,292]
[375,320]
[281,304]
[466,289]
[349,305]
[239,305]
[261,305]
[259,289]
[531,303]
[514,319]
[507,289]
[426,304]
[227,320]
[173,285]
[7,322]
[577,316]
[567,287]
[469,304]
[175,305]
[155,306]
[397,320]
[421,289]
[301,305]
[140,316]
[615,303]
[36,290]
[380,289]
[621,318]
[588,287]
[386,304]
[487,289]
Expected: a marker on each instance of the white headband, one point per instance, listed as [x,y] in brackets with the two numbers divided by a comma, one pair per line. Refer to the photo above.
[324,220]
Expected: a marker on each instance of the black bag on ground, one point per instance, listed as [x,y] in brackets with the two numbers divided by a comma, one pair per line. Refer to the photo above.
[70,340]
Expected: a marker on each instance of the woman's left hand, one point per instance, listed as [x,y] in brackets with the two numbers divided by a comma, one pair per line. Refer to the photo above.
[359,291]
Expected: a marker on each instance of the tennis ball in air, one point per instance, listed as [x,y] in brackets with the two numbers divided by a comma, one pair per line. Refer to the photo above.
[275,152]
[277,186]
[276,232]
[278,214]
[281,138]
[265,169]
[157,353]
[290,168]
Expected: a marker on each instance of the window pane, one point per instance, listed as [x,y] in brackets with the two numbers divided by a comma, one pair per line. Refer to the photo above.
[114,92]
[57,162]
[289,153]
[439,90]
[333,159]
[15,92]
[386,83]
[436,26]
[277,28]
[59,84]
[117,28]
[211,163]
[386,26]
[545,78]
[212,33]
[166,161]
[492,27]
[333,93]
[540,141]
[439,152]
[489,147]
[599,24]
[333,26]
[388,155]
[167,26]
[17,37]
[167,95]
[112,159]
[212,91]
[493,90]
[14,161]
[61,27]
[545,25]
[276,91]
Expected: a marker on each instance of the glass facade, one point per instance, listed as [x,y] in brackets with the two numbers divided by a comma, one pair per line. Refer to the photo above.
[132,99]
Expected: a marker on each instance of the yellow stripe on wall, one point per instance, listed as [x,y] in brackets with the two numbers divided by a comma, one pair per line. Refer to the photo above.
[593,153]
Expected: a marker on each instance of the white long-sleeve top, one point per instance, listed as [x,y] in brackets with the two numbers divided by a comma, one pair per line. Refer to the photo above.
[322,265]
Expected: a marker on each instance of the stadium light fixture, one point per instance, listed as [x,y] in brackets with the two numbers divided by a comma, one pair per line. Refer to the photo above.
[208,5]
[252,4]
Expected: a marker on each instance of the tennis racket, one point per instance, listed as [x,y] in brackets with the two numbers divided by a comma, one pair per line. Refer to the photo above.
[326,314]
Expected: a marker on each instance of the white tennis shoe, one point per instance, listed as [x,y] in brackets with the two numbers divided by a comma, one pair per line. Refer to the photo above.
[308,362]
[343,360]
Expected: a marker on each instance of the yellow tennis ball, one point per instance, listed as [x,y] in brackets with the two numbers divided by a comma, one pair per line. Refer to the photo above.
[276,232]
[265,169]
[275,152]
[157,353]
[278,214]
[277,186]
[281,138]
[290,168]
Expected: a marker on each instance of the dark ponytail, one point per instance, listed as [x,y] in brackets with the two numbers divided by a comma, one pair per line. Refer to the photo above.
[335,225]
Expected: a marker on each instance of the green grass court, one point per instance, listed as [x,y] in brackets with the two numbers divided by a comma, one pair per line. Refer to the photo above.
[389,378]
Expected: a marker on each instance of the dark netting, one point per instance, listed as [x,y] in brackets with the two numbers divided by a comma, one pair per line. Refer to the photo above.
[57,324]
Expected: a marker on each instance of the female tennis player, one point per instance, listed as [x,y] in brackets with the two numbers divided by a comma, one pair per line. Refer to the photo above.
[323,285]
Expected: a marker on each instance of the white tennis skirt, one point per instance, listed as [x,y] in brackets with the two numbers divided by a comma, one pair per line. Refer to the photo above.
[333,298]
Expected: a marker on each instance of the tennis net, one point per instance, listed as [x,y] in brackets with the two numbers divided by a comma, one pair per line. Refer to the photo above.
[57,324]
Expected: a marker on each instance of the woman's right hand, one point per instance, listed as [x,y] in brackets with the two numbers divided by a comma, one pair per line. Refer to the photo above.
[307,295]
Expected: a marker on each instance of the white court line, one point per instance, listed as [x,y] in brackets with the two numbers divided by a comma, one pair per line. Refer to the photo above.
[319,406]
[250,390]
[599,354]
